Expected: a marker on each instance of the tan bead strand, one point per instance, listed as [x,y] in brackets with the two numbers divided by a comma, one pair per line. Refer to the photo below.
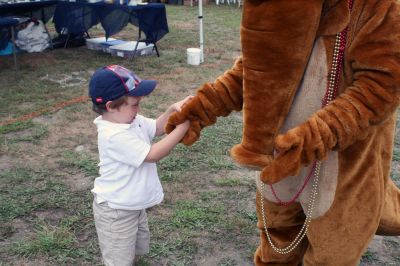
[303,230]
[310,208]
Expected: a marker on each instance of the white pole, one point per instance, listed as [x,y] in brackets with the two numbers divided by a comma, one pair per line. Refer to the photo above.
[201,30]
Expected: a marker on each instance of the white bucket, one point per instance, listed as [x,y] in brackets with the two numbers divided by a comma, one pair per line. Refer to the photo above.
[193,56]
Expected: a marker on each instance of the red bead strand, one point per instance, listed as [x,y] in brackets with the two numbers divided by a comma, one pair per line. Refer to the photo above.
[330,94]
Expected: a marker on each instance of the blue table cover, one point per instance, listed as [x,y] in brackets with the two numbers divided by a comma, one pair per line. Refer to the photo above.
[78,17]
[5,24]
[42,10]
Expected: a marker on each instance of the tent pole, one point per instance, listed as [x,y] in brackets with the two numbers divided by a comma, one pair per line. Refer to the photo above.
[201,30]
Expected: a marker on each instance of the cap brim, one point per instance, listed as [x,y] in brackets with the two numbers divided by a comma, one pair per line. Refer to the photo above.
[144,88]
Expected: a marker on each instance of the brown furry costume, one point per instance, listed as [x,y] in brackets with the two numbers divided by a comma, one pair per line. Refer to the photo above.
[287,48]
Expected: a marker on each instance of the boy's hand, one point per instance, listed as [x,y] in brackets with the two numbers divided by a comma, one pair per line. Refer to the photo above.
[184,126]
[192,133]
[177,107]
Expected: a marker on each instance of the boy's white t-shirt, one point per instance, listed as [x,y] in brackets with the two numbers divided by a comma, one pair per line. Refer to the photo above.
[126,181]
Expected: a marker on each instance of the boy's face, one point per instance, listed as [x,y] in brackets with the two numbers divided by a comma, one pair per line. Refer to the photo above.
[127,112]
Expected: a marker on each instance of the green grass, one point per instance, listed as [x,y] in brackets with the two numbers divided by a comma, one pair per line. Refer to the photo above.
[56,243]
[25,131]
[6,230]
[232,182]
[17,126]
[48,239]
[216,140]
[227,262]
[180,248]
[395,176]
[396,155]
[80,161]
[25,190]
[196,215]
[369,257]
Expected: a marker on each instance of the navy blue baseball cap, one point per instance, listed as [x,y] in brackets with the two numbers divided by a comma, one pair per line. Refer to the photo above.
[112,82]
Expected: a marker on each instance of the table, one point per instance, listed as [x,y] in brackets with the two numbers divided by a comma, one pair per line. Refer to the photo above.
[42,10]
[79,17]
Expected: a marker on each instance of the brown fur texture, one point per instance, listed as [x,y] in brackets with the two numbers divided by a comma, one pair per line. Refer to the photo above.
[277,39]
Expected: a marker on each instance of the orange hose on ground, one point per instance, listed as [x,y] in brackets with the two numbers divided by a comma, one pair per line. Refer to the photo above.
[53,108]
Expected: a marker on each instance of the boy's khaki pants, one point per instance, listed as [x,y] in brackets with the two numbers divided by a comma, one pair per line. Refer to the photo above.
[122,234]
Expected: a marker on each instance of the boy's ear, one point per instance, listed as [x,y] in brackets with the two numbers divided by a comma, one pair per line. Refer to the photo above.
[108,106]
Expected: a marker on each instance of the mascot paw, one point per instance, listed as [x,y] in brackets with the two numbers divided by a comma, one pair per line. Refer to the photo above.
[288,161]
[173,120]
[169,127]
[193,133]
[280,168]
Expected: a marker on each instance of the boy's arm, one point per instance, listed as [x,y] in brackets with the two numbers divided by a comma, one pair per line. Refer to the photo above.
[163,118]
[162,148]
[212,100]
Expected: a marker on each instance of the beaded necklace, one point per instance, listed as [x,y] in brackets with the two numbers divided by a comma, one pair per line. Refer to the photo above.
[330,94]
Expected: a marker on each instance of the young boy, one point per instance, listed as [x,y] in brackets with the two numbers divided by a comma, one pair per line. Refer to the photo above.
[128,181]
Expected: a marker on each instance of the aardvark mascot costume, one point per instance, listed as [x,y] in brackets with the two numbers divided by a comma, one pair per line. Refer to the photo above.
[319,84]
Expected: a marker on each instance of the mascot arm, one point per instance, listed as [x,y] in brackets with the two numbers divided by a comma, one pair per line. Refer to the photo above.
[373,96]
[212,100]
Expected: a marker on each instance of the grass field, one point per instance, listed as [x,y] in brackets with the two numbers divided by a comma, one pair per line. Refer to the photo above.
[48,163]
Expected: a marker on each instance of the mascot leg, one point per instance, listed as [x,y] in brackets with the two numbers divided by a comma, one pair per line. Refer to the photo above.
[389,224]
[332,246]
[343,233]
[283,225]
[339,237]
